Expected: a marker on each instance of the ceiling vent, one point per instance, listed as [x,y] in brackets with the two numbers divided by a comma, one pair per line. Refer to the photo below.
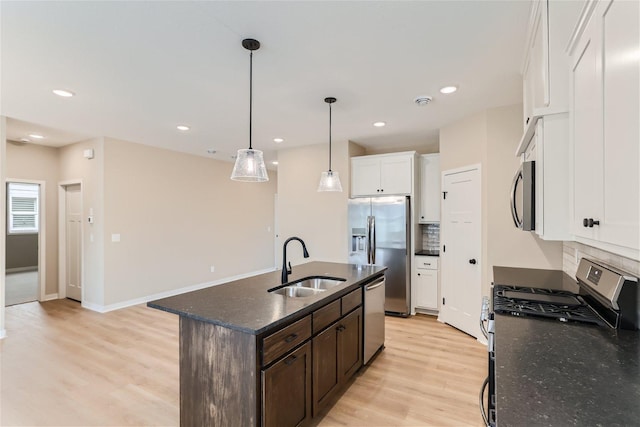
[423,100]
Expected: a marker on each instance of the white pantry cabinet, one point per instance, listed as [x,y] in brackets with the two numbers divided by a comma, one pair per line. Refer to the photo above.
[382,174]
[429,188]
[425,282]
[605,125]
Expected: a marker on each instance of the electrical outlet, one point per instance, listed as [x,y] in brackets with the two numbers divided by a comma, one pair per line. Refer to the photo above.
[213,268]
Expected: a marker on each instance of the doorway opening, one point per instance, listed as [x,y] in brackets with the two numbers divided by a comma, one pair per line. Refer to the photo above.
[25,242]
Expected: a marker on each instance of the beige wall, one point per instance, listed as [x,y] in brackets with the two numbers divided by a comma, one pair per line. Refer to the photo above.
[177,215]
[73,166]
[490,139]
[3,203]
[320,219]
[40,163]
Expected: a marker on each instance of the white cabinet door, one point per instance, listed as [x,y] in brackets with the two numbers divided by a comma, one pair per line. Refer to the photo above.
[587,133]
[429,188]
[365,176]
[396,173]
[606,129]
[536,72]
[621,128]
[427,289]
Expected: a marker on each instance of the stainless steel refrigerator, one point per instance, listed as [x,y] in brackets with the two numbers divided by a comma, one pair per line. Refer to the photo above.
[380,234]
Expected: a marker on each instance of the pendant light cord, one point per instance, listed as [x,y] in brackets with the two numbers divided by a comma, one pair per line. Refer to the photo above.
[329,137]
[250,97]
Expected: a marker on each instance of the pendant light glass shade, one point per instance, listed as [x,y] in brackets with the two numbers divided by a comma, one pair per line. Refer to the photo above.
[250,165]
[330,180]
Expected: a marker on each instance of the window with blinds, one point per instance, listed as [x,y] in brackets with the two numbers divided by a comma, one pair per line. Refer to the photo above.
[22,208]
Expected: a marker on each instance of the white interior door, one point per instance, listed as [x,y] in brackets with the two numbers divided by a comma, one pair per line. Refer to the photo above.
[73,240]
[461,240]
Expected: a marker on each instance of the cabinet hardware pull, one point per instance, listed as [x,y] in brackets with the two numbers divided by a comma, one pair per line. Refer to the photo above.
[341,328]
[289,360]
[291,338]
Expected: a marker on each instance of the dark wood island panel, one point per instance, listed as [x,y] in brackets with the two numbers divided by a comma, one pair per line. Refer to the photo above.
[218,382]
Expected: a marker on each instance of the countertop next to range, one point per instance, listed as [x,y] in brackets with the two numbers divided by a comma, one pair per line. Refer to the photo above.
[246,305]
[558,374]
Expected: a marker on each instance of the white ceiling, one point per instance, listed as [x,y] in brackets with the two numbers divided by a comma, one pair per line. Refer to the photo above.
[140,68]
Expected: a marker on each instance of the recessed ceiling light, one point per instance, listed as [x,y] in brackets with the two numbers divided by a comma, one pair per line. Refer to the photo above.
[25,140]
[183,127]
[63,93]
[36,136]
[274,162]
[278,140]
[380,124]
[448,89]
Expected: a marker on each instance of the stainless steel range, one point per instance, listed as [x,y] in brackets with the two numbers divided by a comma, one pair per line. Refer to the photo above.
[607,298]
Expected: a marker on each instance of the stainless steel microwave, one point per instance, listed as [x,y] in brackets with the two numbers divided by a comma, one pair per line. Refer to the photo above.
[523,197]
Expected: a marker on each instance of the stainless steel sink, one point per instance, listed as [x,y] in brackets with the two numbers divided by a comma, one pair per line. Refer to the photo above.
[318,283]
[308,286]
[297,291]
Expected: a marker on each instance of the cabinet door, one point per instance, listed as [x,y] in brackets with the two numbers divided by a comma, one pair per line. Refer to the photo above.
[349,345]
[621,103]
[325,367]
[427,289]
[429,188]
[536,72]
[286,390]
[396,174]
[365,176]
[587,133]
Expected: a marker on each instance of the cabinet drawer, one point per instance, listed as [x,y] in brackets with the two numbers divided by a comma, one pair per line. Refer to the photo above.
[426,262]
[326,316]
[351,301]
[277,344]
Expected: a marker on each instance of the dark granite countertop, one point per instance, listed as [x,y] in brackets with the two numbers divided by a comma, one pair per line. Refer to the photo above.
[550,373]
[245,304]
[428,253]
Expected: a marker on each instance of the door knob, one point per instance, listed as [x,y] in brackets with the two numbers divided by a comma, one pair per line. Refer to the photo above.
[472,261]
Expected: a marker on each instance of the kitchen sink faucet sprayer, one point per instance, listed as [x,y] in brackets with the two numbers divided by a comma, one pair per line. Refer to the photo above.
[286,271]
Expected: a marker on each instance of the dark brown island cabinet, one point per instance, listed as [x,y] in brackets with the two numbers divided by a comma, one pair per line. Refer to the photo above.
[252,357]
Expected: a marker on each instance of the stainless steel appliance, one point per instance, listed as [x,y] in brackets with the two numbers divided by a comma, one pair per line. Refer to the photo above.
[373,318]
[523,197]
[608,298]
[379,234]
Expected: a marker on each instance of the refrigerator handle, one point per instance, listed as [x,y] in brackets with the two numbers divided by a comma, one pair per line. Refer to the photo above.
[368,240]
[372,239]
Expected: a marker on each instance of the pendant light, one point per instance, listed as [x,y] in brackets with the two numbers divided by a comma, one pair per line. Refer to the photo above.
[330,180]
[249,162]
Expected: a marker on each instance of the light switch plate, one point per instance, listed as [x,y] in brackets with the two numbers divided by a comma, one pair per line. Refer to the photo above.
[115,237]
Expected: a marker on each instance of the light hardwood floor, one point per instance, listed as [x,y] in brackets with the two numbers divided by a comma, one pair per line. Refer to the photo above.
[61,365]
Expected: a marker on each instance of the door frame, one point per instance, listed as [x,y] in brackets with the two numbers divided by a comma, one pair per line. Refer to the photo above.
[444,314]
[62,237]
[42,231]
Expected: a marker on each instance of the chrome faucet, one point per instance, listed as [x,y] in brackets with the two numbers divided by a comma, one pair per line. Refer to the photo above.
[286,271]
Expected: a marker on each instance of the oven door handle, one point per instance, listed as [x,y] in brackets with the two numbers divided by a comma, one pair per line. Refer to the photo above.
[485,416]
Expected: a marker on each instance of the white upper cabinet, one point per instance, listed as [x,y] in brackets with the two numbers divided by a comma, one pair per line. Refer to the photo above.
[605,72]
[536,68]
[384,174]
[429,188]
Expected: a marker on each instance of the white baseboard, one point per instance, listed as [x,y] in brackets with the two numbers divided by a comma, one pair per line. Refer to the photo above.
[21,269]
[3,333]
[50,297]
[166,294]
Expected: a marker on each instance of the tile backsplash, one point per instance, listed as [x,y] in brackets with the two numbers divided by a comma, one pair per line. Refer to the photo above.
[430,237]
[573,251]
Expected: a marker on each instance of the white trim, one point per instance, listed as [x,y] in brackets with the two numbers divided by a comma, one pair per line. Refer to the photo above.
[3,333]
[166,294]
[50,297]
[21,269]
[42,232]
[581,25]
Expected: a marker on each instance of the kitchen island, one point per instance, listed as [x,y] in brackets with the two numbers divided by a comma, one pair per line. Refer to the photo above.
[253,357]
[552,373]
